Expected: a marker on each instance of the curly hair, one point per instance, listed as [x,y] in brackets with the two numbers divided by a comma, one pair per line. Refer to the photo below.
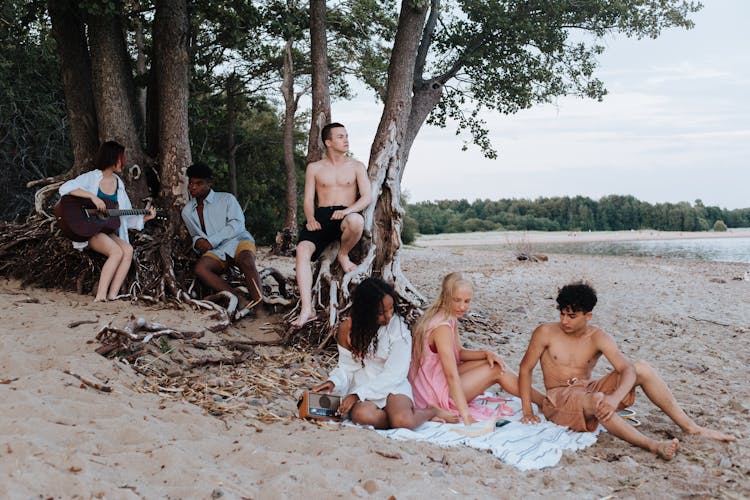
[578,296]
[367,304]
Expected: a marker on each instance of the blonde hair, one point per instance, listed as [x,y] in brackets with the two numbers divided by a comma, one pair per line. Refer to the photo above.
[441,307]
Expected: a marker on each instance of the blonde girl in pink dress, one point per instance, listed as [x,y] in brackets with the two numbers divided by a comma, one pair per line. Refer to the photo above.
[443,373]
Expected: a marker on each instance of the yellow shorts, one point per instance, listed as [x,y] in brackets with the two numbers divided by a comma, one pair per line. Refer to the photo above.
[241,247]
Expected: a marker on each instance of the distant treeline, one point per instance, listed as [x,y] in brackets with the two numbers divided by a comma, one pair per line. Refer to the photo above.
[611,213]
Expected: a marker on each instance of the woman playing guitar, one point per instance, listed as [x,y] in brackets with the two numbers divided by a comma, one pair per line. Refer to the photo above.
[97,185]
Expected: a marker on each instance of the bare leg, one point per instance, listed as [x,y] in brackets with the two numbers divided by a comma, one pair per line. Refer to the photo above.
[477,376]
[618,427]
[402,414]
[246,262]
[659,394]
[367,413]
[103,244]
[122,270]
[351,228]
[305,249]
[208,269]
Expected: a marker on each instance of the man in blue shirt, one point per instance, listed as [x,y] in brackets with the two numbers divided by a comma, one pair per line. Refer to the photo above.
[217,225]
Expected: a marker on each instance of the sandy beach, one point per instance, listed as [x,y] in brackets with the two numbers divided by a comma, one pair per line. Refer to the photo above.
[60,438]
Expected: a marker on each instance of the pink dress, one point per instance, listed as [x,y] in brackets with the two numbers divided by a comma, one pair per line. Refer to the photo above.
[430,386]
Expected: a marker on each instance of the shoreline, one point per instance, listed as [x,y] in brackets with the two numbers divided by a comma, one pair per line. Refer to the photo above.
[511,238]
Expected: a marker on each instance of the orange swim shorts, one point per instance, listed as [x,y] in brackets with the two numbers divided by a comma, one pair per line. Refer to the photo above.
[564,405]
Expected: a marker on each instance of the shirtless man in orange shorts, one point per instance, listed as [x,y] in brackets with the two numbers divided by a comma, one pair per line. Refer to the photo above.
[569,351]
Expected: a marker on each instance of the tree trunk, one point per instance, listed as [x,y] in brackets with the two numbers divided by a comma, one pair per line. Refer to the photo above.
[290,108]
[140,71]
[114,96]
[69,32]
[172,63]
[427,95]
[231,147]
[321,99]
[388,154]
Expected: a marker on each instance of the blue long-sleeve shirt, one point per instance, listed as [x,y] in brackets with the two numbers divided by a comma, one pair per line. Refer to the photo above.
[223,219]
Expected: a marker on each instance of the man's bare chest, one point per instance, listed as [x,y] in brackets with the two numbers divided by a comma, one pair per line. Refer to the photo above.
[573,353]
[336,177]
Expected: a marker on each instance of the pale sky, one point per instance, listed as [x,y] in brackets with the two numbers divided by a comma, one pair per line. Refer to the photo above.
[675,126]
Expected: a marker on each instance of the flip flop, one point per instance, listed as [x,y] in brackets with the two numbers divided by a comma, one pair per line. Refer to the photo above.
[633,421]
[241,313]
[629,416]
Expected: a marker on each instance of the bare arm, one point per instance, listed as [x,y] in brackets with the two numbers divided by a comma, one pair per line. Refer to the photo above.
[82,193]
[475,355]
[537,345]
[308,202]
[444,337]
[607,345]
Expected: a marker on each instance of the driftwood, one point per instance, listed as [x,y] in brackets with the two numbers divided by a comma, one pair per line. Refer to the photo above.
[74,324]
[709,321]
[221,375]
[221,360]
[90,383]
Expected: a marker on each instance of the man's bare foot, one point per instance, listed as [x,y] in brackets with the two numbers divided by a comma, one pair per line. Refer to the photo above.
[303,318]
[444,416]
[100,299]
[242,302]
[667,449]
[711,434]
[346,264]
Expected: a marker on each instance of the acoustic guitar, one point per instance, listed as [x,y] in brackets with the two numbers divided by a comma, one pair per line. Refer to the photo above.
[80,220]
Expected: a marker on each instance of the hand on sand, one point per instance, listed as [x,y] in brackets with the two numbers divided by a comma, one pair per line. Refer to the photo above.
[530,418]
[444,416]
[711,434]
[667,449]
[346,264]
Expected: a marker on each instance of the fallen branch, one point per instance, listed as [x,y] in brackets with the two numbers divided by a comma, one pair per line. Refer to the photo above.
[709,321]
[74,324]
[90,383]
[221,360]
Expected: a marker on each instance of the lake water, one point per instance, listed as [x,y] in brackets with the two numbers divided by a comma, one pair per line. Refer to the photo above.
[715,249]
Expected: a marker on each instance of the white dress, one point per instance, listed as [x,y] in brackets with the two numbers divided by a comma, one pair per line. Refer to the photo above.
[384,372]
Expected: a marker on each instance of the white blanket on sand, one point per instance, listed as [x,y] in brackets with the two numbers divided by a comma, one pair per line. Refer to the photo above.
[526,447]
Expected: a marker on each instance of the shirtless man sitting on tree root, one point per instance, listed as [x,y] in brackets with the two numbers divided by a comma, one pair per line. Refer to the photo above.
[335,181]
[569,350]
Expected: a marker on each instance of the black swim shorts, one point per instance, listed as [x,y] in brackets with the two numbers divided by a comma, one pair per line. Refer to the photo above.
[330,230]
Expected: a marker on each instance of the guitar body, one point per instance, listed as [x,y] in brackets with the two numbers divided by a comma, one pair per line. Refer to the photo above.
[77,224]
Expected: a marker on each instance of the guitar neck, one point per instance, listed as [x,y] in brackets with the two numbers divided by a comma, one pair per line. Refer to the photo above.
[118,213]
